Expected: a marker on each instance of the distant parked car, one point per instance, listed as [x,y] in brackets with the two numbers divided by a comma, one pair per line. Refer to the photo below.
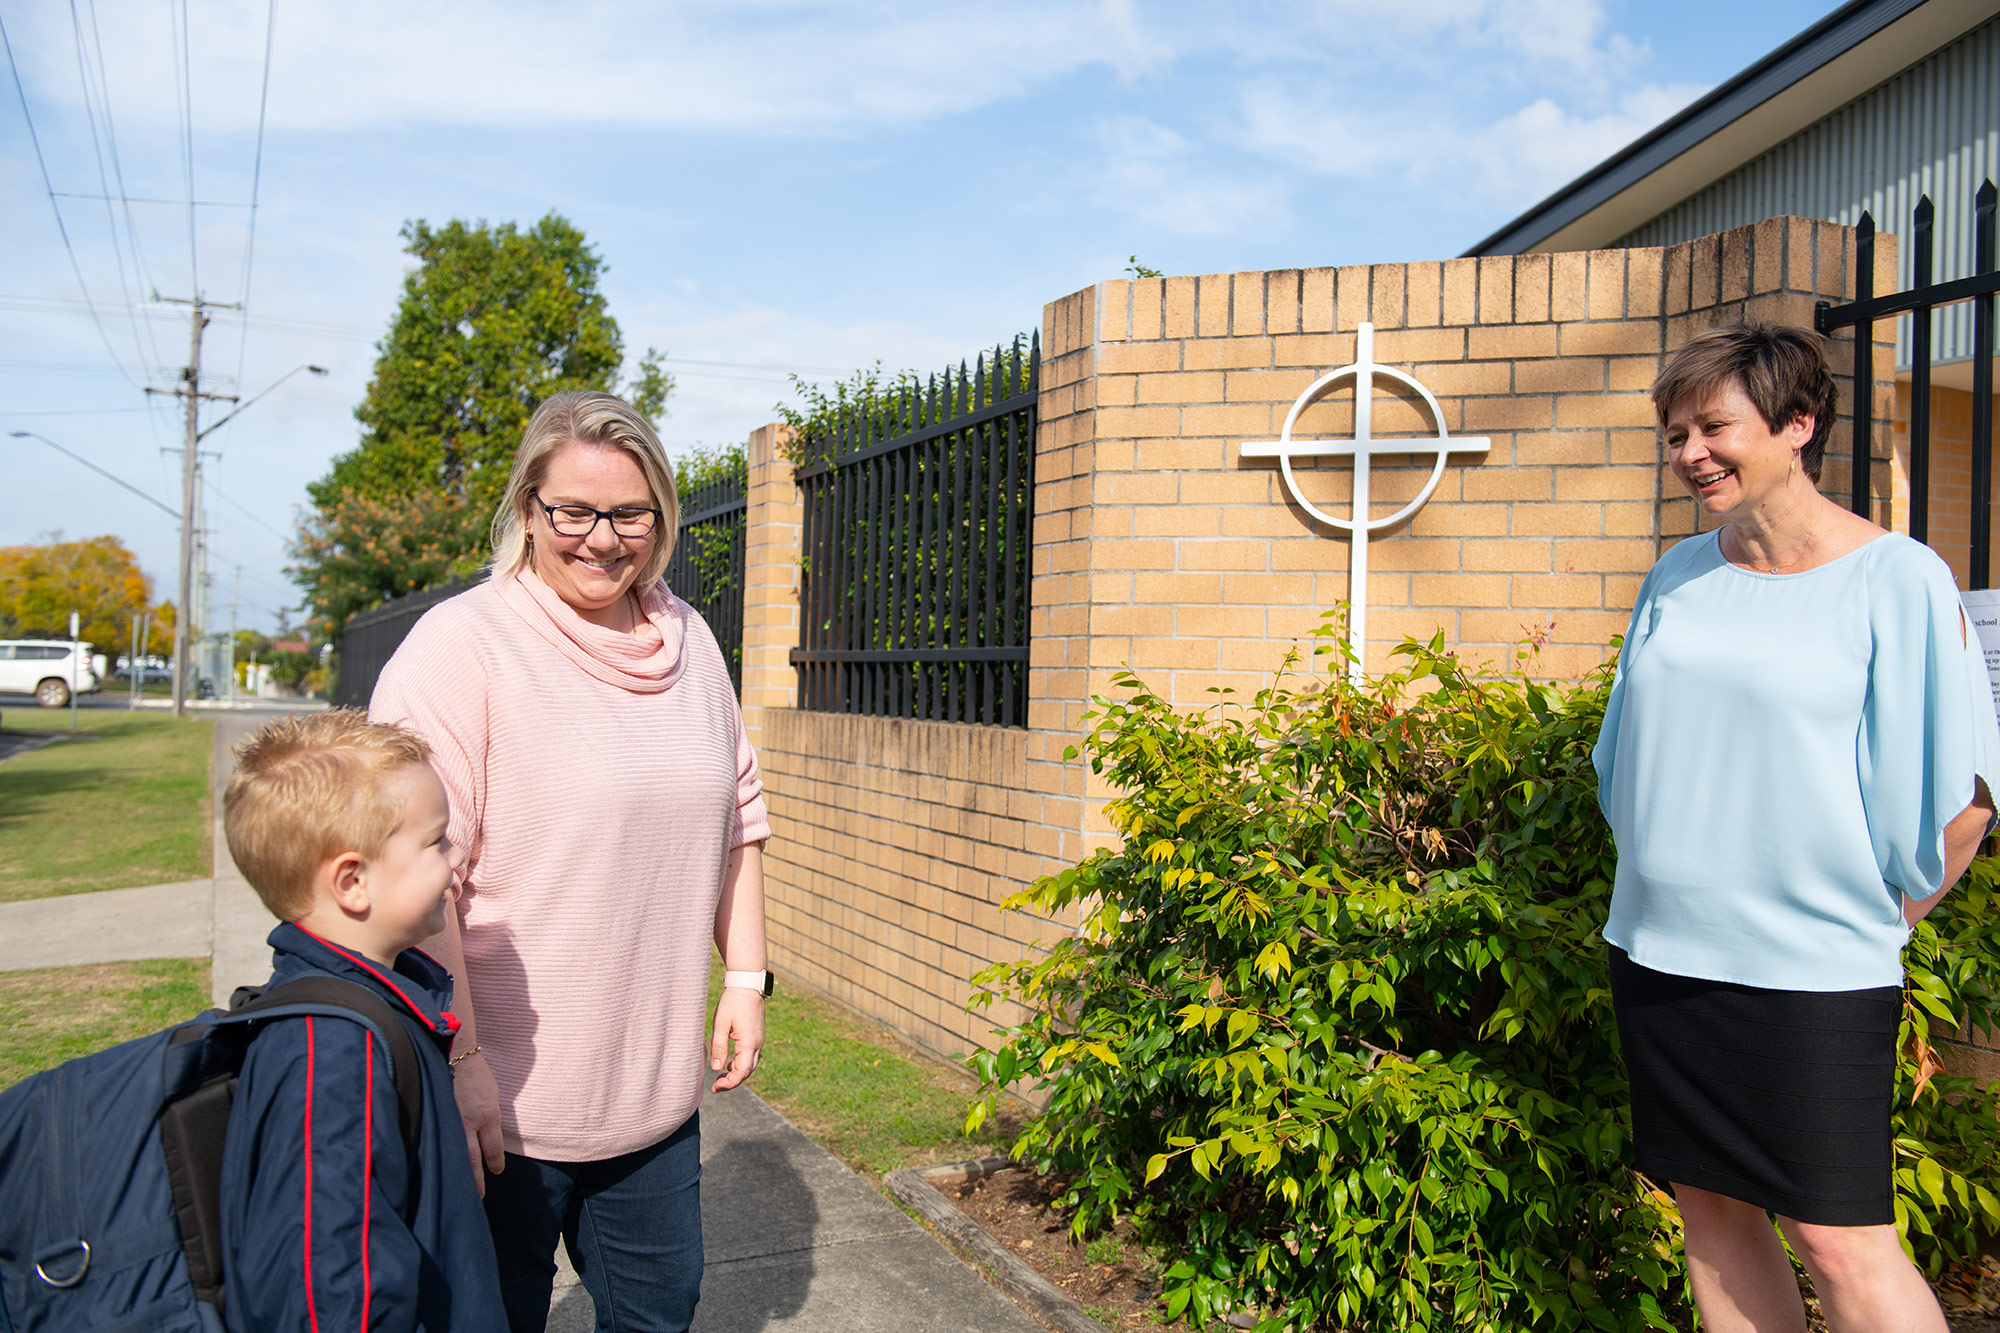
[150,673]
[42,667]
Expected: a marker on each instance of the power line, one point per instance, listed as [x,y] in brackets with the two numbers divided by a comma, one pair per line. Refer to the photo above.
[109,476]
[247,512]
[256,179]
[103,180]
[49,186]
[80,412]
[184,87]
[145,199]
[74,367]
[272,323]
[118,172]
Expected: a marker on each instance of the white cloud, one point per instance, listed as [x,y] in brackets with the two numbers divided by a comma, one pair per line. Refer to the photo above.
[1492,99]
[1160,178]
[1543,145]
[1544,37]
[772,67]
[1330,136]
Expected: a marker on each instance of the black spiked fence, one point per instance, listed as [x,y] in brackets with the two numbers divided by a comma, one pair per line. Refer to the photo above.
[1924,297]
[706,570]
[916,549]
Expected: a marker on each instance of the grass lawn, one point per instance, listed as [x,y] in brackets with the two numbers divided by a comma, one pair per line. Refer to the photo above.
[53,1014]
[124,804]
[867,1098]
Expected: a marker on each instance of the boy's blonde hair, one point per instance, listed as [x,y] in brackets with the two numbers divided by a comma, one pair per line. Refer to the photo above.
[309,787]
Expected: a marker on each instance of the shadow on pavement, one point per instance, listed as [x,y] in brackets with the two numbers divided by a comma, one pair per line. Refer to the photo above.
[759,1224]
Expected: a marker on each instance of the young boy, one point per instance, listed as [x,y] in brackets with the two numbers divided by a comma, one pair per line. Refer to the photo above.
[328,1222]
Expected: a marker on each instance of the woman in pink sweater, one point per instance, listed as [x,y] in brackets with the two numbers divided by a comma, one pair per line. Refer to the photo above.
[613,822]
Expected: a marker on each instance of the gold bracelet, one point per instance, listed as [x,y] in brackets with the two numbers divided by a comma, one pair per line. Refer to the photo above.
[462,1056]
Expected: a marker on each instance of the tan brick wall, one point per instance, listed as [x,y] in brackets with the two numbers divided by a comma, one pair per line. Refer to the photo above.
[1202,569]
[1951,474]
[1158,547]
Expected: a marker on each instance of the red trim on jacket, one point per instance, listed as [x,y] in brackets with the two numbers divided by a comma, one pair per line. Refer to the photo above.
[312,1307]
[372,971]
[367,1171]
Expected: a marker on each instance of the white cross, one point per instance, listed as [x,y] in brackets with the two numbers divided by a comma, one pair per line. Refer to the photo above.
[1362,449]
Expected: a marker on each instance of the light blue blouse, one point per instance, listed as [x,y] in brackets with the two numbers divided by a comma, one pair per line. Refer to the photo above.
[1779,758]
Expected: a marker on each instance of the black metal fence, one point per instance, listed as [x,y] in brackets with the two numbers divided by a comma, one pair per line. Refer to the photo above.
[367,641]
[1923,297]
[707,566]
[917,541]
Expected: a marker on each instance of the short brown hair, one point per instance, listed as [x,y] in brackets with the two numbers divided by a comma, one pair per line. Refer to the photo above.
[309,787]
[1782,369]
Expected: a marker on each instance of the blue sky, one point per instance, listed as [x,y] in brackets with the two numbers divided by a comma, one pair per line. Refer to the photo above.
[774,186]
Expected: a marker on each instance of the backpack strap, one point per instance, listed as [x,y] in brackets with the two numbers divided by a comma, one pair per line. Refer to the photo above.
[193,1127]
[306,994]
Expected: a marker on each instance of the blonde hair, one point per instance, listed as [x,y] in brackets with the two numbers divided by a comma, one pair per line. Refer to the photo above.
[588,418]
[307,788]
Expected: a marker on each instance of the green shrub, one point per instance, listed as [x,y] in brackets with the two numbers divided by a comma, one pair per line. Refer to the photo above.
[1336,1029]
[891,404]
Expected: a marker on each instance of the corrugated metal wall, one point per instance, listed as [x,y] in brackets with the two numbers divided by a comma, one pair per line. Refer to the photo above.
[1933,129]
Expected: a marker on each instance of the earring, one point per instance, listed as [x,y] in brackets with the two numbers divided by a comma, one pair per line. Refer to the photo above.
[1795,467]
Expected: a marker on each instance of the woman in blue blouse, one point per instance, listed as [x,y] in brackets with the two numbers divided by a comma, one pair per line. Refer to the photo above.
[1797,760]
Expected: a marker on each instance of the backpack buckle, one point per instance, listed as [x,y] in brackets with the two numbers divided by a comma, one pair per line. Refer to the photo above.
[55,1252]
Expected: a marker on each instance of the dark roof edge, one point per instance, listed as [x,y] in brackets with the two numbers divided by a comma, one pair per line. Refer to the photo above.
[1827,40]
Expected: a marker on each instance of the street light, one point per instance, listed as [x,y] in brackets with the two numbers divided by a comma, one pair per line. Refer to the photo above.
[214,426]
[157,504]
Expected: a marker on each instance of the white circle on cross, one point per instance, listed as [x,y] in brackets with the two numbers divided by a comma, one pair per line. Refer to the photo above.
[1363,448]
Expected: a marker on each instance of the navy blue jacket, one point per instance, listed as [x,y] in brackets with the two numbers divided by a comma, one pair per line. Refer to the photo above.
[327,1223]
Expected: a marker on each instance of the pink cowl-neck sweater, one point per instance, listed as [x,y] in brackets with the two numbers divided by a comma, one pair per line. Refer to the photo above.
[598,782]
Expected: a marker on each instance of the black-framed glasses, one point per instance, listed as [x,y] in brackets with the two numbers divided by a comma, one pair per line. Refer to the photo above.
[582,520]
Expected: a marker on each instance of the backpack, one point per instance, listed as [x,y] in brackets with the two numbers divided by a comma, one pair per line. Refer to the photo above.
[111,1167]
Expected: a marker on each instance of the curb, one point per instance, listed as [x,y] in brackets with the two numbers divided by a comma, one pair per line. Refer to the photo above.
[1030,1290]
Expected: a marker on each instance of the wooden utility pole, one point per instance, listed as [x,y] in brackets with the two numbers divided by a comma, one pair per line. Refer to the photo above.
[184,603]
[190,392]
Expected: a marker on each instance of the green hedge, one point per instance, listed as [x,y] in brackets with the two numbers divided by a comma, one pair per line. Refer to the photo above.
[1337,1033]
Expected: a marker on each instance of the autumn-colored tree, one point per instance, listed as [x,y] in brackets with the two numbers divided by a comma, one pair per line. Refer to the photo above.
[360,550]
[99,579]
[492,321]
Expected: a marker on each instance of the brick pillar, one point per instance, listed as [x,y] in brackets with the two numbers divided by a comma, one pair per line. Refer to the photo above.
[1060,592]
[772,529]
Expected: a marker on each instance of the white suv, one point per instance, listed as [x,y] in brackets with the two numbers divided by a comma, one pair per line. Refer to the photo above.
[42,667]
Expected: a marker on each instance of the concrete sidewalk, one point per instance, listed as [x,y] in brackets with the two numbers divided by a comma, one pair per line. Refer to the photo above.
[114,926]
[793,1238]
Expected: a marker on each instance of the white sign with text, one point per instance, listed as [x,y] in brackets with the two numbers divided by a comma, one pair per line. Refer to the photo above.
[1982,608]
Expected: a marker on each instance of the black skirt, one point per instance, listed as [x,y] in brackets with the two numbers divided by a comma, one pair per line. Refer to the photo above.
[1778,1098]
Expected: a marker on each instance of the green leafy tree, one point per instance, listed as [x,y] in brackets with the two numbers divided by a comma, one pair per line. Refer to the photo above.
[651,387]
[98,578]
[893,403]
[492,320]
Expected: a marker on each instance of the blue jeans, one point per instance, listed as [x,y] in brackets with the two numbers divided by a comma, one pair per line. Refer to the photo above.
[632,1226]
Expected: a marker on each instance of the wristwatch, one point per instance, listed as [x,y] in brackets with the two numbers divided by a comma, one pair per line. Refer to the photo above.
[761,982]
